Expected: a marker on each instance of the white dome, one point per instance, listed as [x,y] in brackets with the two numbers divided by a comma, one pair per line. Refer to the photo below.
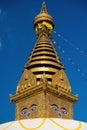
[44,124]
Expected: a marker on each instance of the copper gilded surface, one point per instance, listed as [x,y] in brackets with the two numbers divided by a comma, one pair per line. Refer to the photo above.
[44,81]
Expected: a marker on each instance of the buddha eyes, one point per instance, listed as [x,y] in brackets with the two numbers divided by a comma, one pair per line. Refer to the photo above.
[27,112]
[60,112]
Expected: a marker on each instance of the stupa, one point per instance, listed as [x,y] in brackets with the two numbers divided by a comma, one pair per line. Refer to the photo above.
[44,99]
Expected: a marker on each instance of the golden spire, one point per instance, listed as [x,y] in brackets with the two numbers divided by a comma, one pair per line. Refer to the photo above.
[43,90]
[44,58]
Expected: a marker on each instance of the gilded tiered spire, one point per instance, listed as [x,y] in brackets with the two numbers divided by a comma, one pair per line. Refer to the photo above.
[44,58]
[43,90]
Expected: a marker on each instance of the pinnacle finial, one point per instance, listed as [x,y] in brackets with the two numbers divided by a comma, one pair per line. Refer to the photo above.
[43,9]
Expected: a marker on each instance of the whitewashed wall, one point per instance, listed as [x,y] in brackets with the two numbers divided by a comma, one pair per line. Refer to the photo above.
[44,124]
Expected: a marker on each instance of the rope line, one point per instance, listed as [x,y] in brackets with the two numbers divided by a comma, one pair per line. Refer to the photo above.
[71,44]
[70,60]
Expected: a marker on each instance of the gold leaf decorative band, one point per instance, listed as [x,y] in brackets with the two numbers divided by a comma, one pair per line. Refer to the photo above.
[78,128]
[23,126]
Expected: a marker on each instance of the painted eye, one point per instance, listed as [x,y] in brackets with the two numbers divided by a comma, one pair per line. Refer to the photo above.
[33,108]
[24,111]
[54,108]
[64,111]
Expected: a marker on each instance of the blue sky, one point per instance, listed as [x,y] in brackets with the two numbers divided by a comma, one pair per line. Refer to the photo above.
[17,39]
